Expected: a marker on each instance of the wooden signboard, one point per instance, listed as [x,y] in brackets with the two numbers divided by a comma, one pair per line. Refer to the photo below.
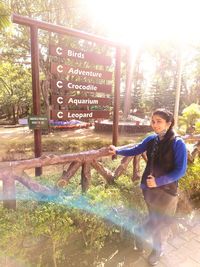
[79,101]
[91,57]
[67,70]
[66,85]
[84,115]
[61,101]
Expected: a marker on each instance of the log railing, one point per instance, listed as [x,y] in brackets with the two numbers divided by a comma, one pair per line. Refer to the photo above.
[15,171]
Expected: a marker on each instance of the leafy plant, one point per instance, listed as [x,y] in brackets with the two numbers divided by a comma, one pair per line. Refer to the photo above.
[4,16]
[190,116]
[191,181]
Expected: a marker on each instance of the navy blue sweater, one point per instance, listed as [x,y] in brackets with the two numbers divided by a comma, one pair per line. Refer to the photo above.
[180,157]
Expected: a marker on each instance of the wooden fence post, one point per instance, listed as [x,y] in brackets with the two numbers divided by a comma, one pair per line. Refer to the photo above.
[85,176]
[9,192]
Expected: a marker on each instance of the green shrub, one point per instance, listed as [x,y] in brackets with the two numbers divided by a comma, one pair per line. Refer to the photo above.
[191,181]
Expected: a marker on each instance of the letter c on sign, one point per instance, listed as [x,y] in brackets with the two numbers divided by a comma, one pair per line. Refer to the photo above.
[60,100]
[59,51]
[59,84]
[60,68]
[60,115]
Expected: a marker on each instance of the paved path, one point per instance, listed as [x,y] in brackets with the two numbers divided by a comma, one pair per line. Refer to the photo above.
[183,250]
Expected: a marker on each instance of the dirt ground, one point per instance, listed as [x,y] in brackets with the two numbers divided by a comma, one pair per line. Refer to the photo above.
[16,133]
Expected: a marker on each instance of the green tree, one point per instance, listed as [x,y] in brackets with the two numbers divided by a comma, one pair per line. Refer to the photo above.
[190,116]
[4,16]
[192,73]
[15,90]
[164,80]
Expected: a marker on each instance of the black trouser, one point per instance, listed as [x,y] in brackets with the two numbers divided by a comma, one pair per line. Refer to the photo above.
[161,207]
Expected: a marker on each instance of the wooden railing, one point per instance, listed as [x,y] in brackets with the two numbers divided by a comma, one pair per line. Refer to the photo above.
[15,171]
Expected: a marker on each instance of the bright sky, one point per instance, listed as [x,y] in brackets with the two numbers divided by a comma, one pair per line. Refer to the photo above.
[138,21]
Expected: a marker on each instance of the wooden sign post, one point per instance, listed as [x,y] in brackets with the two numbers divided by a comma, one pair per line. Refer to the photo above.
[70,70]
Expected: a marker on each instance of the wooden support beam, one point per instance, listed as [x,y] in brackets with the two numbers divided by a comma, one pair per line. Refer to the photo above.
[9,194]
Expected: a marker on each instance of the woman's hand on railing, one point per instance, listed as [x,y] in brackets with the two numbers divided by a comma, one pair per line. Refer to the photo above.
[112,150]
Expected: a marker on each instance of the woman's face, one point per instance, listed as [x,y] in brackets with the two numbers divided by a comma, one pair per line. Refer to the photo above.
[159,124]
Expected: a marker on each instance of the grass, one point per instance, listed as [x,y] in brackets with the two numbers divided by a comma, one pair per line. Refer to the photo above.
[20,145]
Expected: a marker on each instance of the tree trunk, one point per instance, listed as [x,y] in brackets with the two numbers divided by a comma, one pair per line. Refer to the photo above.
[13,114]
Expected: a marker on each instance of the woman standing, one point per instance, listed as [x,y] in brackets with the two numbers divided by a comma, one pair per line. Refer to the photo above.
[166,164]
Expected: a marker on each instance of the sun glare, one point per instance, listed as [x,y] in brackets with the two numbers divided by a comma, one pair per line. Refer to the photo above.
[138,21]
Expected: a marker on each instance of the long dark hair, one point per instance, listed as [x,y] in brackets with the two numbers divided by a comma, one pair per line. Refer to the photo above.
[168,137]
[168,117]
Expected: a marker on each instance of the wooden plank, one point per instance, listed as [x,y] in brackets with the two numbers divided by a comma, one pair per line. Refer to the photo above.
[82,115]
[106,173]
[70,71]
[63,86]
[65,52]
[67,175]
[68,101]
